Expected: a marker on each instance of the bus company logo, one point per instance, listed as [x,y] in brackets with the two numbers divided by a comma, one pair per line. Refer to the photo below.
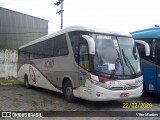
[32,74]
[125,87]
[49,64]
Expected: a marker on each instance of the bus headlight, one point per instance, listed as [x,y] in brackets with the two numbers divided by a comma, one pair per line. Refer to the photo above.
[104,85]
[139,82]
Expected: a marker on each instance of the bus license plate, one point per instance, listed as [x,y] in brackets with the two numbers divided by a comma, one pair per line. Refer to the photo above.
[124,94]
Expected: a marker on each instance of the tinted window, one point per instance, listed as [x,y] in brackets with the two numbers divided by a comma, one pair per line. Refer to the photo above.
[158,51]
[75,37]
[52,47]
[84,55]
[141,49]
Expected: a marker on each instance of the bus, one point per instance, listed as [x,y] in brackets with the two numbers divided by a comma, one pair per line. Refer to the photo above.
[83,62]
[150,64]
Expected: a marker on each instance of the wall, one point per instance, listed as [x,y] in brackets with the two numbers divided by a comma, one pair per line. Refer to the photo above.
[8,63]
[17,29]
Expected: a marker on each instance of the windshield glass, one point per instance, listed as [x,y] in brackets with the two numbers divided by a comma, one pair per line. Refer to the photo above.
[115,55]
[130,55]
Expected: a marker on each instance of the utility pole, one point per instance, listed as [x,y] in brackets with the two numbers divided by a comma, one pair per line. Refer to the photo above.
[60,11]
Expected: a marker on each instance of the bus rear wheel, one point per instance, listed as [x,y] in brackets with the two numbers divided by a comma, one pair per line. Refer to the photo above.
[68,92]
[26,83]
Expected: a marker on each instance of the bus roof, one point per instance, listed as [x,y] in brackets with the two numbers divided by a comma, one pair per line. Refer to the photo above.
[76,28]
[147,33]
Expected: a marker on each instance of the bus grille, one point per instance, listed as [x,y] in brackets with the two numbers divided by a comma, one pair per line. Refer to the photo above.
[123,88]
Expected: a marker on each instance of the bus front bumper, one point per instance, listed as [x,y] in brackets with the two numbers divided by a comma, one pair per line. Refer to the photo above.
[102,94]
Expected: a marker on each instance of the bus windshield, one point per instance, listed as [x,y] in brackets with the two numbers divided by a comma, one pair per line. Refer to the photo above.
[115,55]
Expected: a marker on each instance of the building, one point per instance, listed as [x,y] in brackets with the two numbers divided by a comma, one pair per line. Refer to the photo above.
[17,29]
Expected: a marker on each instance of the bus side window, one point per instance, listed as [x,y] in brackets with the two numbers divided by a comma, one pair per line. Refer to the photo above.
[84,56]
[158,52]
[75,38]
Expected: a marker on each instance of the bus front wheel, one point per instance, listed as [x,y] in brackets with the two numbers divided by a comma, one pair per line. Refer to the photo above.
[68,92]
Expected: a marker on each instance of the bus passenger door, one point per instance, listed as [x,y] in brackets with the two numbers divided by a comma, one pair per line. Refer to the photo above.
[85,87]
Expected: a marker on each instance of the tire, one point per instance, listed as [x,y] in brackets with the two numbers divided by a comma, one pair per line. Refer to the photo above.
[68,92]
[26,83]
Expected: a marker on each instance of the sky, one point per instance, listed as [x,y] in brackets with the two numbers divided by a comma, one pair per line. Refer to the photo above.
[121,15]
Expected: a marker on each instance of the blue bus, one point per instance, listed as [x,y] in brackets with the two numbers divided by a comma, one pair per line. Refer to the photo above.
[150,64]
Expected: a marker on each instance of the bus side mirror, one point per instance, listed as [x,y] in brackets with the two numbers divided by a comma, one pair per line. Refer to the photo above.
[91,44]
[146,45]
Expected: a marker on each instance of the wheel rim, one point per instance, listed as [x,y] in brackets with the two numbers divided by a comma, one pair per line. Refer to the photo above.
[69,91]
[26,83]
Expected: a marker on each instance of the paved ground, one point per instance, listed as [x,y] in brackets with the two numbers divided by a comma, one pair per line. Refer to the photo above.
[18,98]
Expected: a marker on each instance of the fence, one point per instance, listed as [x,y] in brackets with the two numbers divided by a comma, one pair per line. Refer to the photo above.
[8,63]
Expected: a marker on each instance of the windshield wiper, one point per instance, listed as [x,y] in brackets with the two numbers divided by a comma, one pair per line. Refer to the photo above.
[116,65]
[128,63]
[120,57]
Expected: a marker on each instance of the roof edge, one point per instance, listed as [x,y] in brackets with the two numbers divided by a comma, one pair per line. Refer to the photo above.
[24,14]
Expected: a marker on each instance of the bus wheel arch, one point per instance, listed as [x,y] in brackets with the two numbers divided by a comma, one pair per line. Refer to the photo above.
[26,82]
[67,89]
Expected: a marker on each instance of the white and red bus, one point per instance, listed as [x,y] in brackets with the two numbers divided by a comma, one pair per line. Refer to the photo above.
[92,64]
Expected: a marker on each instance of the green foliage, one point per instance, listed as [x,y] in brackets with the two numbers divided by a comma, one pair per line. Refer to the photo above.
[9,82]
[3,46]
